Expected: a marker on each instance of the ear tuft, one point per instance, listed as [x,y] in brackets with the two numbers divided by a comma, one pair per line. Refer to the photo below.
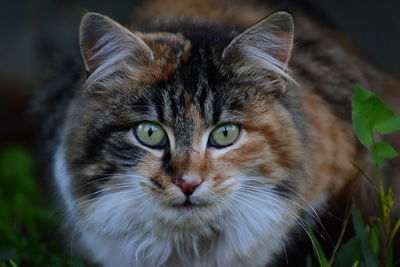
[266,46]
[105,42]
[280,25]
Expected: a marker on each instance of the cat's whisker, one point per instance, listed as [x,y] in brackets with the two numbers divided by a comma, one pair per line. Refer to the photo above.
[281,195]
[106,189]
[99,192]
[108,196]
[277,182]
[231,208]
[272,200]
[268,202]
[92,181]
[312,213]
[243,200]
[294,216]
[238,217]
[134,197]
[107,177]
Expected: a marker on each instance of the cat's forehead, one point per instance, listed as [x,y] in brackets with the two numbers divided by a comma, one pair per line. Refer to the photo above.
[193,81]
[184,58]
[191,47]
[191,96]
[168,50]
[185,86]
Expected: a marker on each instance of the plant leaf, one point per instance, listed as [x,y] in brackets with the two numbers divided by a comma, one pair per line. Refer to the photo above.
[362,130]
[349,253]
[374,239]
[389,258]
[318,251]
[382,150]
[385,150]
[390,125]
[309,261]
[370,114]
[370,258]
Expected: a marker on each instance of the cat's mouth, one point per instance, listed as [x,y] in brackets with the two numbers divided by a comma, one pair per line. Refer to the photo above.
[188,204]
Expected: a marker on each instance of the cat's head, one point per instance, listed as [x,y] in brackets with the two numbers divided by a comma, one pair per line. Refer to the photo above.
[186,131]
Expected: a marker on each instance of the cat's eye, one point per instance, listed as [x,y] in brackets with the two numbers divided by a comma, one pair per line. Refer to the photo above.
[224,135]
[150,134]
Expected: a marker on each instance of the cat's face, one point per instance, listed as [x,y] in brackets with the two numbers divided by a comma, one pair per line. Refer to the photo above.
[183,135]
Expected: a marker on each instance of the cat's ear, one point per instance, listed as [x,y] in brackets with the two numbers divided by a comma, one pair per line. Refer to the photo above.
[105,42]
[266,46]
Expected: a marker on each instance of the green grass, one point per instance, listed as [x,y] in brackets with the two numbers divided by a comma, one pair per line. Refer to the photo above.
[28,227]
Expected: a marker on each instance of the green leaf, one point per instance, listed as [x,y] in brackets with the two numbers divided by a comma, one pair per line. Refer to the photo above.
[362,130]
[382,150]
[389,125]
[349,253]
[370,114]
[368,254]
[389,258]
[9,263]
[374,239]
[385,150]
[309,261]
[318,251]
[389,198]
[395,231]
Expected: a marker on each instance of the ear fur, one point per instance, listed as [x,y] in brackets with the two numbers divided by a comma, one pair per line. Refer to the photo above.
[266,46]
[104,42]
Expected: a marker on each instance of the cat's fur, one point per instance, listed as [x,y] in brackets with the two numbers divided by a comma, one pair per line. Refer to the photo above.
[192,67]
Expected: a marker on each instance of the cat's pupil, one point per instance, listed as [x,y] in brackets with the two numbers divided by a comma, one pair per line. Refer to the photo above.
[225,132]
[150,132]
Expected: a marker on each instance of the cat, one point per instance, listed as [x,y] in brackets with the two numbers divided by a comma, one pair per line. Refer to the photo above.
[203,138]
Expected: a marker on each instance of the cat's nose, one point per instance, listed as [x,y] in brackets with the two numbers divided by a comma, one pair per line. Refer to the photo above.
[188,183]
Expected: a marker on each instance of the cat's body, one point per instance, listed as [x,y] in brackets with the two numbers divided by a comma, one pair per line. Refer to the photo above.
[189,201]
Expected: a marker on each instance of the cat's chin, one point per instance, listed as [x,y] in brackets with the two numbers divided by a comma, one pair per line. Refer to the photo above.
[189,215]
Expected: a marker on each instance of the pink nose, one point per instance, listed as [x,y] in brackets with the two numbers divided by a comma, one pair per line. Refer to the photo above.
[188,183]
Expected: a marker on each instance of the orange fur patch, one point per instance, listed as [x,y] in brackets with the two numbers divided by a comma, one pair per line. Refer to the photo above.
[169,51]
[332,151]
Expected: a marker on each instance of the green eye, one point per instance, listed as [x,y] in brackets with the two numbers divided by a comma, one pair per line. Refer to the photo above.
[150,134]
[224,135]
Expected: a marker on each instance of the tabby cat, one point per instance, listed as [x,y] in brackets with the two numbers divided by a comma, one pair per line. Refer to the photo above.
[203,138]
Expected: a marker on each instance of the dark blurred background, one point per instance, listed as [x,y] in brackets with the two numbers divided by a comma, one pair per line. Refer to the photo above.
[35,37]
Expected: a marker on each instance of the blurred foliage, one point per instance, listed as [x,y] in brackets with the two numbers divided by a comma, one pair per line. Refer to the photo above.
[28,227]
